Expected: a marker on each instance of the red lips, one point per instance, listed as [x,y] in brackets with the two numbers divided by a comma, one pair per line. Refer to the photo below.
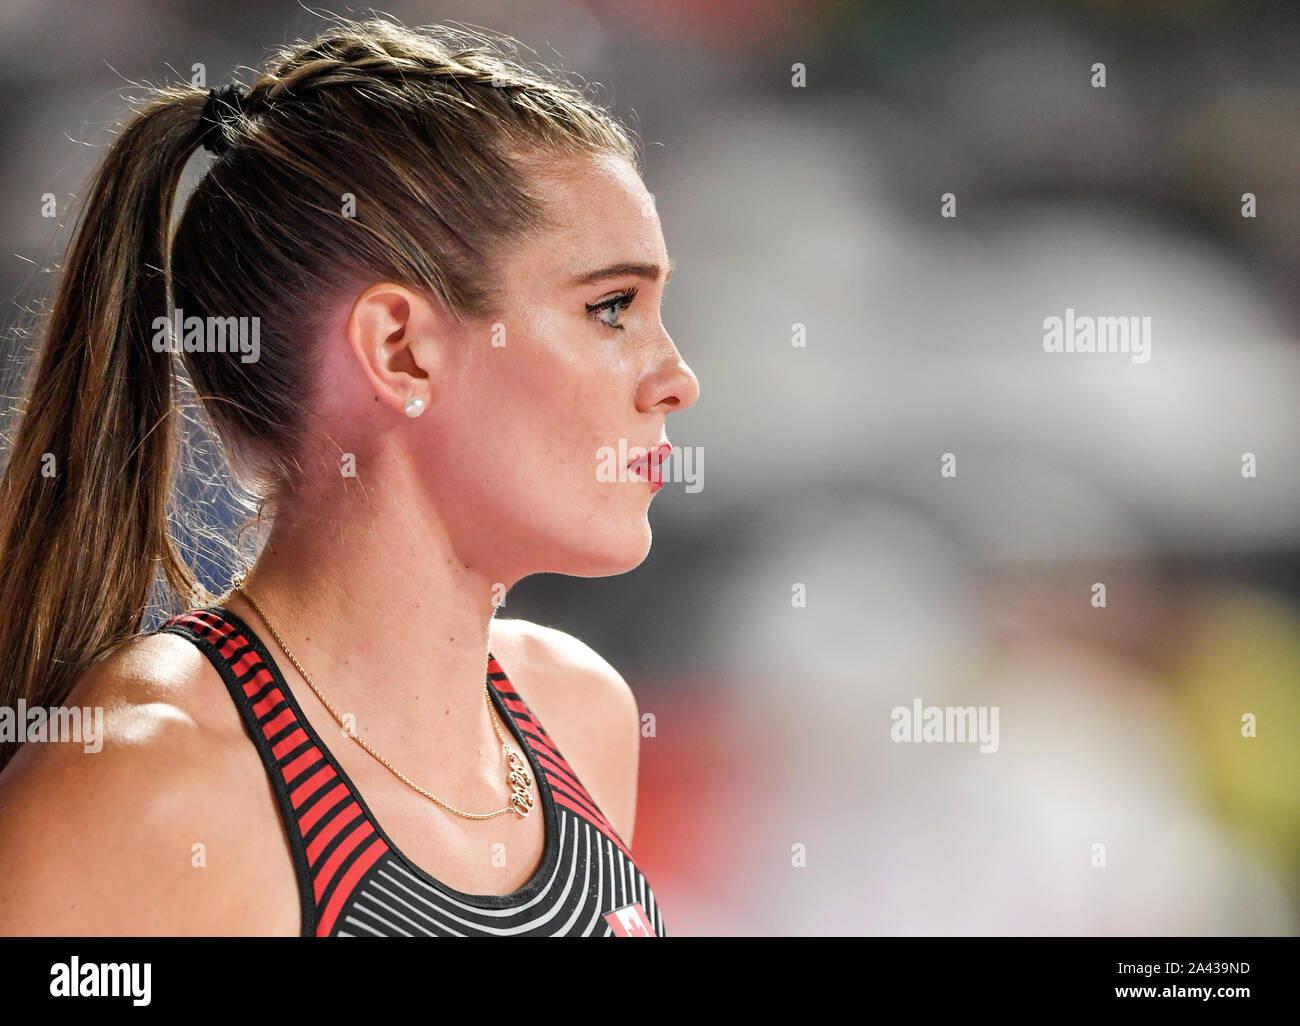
[647,467]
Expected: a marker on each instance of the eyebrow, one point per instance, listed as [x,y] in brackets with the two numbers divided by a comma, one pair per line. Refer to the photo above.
[650,271]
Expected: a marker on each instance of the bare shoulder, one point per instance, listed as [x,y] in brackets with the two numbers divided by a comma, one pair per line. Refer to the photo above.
[562,672]
[584,704]
[118,833]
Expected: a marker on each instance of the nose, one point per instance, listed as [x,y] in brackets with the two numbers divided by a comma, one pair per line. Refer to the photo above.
[672,386]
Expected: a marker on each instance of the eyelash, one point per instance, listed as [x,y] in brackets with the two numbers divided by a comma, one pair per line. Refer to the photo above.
[622,302]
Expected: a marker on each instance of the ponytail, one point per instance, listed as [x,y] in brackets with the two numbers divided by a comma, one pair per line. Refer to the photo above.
[432,121]
[85,494]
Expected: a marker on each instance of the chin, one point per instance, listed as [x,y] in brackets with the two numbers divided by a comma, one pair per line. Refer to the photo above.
[607,554]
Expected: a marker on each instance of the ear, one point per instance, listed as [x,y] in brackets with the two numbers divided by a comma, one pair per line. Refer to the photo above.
[399,338]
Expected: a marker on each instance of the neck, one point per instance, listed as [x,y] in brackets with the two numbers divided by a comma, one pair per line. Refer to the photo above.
[393,628]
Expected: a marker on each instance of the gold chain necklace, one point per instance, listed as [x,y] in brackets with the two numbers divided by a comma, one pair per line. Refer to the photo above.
[518,779]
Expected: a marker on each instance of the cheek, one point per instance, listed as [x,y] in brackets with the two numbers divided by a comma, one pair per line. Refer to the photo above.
[559,389]
[532,415]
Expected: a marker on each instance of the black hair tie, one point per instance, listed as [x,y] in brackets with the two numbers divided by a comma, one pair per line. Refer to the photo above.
[224,107]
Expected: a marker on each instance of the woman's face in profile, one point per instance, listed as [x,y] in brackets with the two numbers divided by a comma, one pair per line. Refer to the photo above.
[575,375]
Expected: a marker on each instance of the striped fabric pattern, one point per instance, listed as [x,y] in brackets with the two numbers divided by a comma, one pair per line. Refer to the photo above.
[353,881]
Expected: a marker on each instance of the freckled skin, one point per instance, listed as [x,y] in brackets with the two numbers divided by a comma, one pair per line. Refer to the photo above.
[497,477]
[512,448]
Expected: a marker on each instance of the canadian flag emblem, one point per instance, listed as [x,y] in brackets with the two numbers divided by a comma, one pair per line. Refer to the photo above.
[630,921]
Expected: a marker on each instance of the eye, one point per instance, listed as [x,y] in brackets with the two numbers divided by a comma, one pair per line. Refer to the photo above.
[615,304]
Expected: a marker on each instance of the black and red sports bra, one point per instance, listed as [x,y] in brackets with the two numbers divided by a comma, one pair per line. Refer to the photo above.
[354,882]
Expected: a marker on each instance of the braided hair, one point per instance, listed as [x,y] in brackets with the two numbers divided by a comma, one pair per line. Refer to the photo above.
[374,152]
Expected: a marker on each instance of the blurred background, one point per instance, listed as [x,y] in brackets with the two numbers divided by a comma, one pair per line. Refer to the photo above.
[773,800]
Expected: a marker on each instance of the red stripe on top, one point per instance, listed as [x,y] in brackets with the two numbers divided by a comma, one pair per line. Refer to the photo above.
[328,868]
[289,743]
[338,811]
[273,726]
[558,769]
[578,794]
[187,620]
[213,623]
[530,725]
[348,884]
[346,815]
[537,735]
[242,664]
[581,802]
[257,681]
[321,807]
[317,780]
[263,707]
[301,764]
[559,774]
[221,633]
[604,828]
[519,708]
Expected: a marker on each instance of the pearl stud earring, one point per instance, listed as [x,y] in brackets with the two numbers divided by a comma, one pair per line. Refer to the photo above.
[414,406]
